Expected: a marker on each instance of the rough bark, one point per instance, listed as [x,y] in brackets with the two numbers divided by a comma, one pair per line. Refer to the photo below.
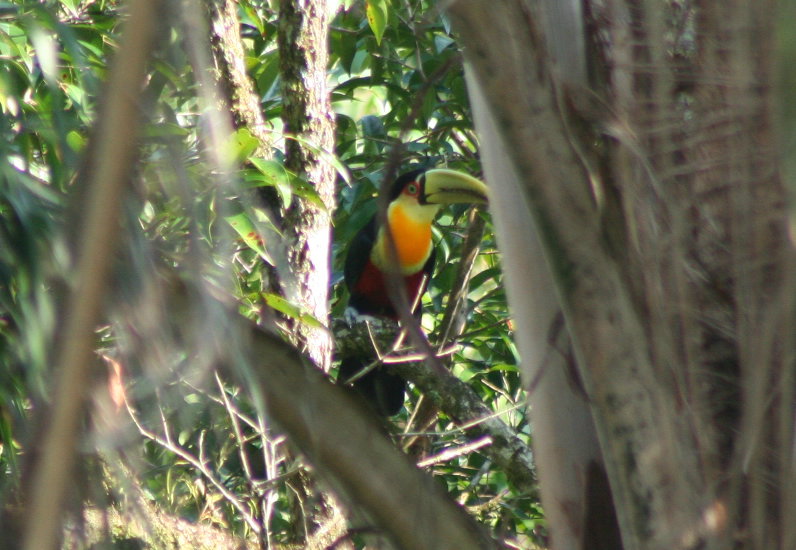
[309,125]
[229,59]
[643,442]
[657,200]
[302,269]
[705,204]
[308,121]
[566,450]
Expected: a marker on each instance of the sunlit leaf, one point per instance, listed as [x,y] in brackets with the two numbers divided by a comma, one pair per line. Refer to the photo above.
[275,175]
[245,144]
[75,140]
[377,15]
[291,310]
[244,227]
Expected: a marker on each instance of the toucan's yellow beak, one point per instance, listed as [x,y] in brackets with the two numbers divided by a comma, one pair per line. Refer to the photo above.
[443,186]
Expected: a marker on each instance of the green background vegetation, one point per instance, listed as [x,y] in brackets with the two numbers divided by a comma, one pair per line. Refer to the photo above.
[396,77]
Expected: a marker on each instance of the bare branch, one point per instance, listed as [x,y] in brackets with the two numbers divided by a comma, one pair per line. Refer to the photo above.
[455,452]
[200,464]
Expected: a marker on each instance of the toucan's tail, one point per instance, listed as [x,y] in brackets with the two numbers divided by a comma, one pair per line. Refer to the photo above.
[381,389]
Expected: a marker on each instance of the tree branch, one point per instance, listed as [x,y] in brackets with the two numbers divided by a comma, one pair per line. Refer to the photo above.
[113,152]
[337,435]
[454,397]
[460,402]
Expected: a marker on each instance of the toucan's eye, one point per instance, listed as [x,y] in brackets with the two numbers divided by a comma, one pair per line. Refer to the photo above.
[412,189]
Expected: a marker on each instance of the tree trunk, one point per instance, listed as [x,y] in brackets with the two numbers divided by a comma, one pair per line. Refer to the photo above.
[572,476]
[655,194]
[230,64]
[565,441]
[308,121]
[309,127]
[302,271]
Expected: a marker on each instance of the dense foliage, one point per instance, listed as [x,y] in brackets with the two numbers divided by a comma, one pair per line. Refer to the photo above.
[198,446]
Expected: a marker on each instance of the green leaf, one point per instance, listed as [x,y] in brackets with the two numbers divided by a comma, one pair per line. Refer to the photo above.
[503,367]
[275,174]
[193,399]
[72,7]
[244,227]
[429,105]
[282,306]
[291,310]
[465,374]
[360,62]
[376,11]
[441,42]
[254,17]
[165,129]
[307,192]
[372,126]
[75,140]
[326,156]
[245,144]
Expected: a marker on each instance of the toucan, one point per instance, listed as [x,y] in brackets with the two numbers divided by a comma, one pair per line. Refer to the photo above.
[415,198]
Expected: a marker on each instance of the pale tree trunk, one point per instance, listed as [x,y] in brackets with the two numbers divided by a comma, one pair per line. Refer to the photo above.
[308,117]
[566,450]
[308,121]
[656,197]
[573,486]
[634,426]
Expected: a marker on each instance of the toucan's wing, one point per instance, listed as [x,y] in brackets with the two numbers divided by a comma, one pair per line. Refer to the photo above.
[359,253]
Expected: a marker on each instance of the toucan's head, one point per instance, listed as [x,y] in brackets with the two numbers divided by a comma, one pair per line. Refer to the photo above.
[419,194]
[415,199]
[438,186]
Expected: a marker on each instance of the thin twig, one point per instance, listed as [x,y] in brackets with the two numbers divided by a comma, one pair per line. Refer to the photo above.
[385,358]
[465,426]
[233,418]
[414,357]
[248,420]
[198,464]
[454,452]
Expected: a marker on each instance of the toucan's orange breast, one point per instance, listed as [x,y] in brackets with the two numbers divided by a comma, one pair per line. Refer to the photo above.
[412,239]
